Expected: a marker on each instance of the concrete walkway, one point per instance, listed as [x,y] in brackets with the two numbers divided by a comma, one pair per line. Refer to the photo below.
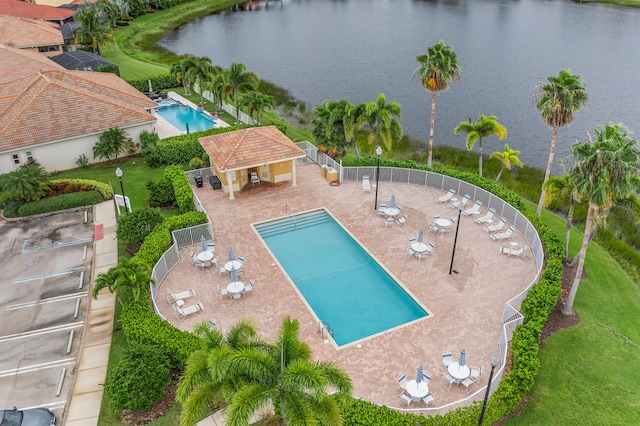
[84,406]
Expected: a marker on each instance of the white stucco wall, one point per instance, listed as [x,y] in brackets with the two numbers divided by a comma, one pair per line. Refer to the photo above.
[62,155]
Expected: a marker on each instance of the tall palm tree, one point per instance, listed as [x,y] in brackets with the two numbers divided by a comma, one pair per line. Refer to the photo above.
[257,103]
[215,84]
[129,276]
[384,127]
[562,188]
[328,125]
[558,100]
[508,157]
[29,182]
[351,122]
[606,170]
[436,71]
[483,128]
[199,72]
[181,71]
[239,80]
[94,30]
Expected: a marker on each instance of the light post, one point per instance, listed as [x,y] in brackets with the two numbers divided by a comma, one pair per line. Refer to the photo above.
[119,174]
[455,239]
[378,153]
[494,360]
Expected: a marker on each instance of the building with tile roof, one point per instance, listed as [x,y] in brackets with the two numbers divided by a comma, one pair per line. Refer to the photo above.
[265,151]
[35,11]
[31,34]
[53,116]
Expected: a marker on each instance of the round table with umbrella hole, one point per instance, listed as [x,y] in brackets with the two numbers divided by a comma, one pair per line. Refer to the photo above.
[205,256]
[235,288]
[459,372]
[417,390]
[233,264]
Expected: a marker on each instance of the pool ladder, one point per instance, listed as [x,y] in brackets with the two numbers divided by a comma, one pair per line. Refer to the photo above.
[289,212]
[323,327]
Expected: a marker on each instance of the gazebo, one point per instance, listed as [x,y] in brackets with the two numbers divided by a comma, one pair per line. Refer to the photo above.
[265,151]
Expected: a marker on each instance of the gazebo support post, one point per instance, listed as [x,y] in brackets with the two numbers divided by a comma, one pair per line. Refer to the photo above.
[294,183]
[230,183]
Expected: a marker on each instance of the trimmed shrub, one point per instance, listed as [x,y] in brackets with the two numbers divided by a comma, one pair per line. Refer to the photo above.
[181,188]
[11,209]
[140,378]
[60,202]
[161,193]
[158,82]
[83,185]
[135,226]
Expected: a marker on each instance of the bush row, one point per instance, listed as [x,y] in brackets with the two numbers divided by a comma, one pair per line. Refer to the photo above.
[60,202]
[103,188]
[181,188]
[182,148]
[158,82]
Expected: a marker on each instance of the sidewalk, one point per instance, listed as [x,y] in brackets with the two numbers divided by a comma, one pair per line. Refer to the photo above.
[84,406]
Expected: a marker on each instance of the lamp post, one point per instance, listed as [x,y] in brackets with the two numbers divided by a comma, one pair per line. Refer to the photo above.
[119,174]
[378,153]
[455,239]
[494,359]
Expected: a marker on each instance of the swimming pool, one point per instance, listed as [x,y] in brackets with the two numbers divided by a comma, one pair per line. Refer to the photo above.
[182,116]
[340,282]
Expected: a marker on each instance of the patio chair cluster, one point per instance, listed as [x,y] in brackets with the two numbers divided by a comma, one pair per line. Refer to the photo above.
[456,373]
[441,225]
[177,301]
[405,394]
[414,251]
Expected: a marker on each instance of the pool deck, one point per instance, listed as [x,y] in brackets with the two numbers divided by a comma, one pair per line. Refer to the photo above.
[466,308]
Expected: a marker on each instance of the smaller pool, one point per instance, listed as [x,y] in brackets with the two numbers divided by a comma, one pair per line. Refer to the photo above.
[185,118]
[166,102]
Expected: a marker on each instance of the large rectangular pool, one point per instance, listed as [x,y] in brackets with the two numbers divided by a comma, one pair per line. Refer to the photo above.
[185,118]
[341,283]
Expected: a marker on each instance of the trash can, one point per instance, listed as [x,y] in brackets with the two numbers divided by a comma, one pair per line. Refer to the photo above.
[198,180]
[215,183]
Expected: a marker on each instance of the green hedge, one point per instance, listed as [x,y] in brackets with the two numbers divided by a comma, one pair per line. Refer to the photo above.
[158,82]
[182,148]
[181,188]
[103,188]
[60,202]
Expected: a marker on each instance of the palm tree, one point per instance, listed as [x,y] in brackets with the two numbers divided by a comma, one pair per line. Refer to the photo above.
[95,31]
[562,188]
[328,125]
[250,375]
[507,158]
[239,80]
[384,127]
[558,100]
[199,71]
[112,142]
[215,84]
[606,170]
[483,128]
[29,182]
[351,122]
[256,102]
[129,276]
[436,71]
[181,71]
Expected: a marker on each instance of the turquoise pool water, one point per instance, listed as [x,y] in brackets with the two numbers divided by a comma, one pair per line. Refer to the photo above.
[341,282]
[182,115]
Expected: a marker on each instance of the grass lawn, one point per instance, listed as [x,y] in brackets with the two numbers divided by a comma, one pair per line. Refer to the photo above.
[130,67]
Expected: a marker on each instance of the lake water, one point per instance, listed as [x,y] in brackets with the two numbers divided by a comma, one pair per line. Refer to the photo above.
[326,49]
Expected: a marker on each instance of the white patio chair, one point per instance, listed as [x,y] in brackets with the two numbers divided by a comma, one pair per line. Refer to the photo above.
[468,383]
[402,381]
[223,291]
[421,256]
[402,220]
[447,380]
[381,209]
[429,398]
[221,268]
[389,220]
[497,227]
[249,287]
[196,262]
[211,247]
[410,253]
[366,184]
[182,313]
[447,357]
[464,202]
[406,398]
[476,372]
[426,377]
[180,295]
[412,240]
[254,178]
[487,217]
[473,210]
[446,197]
[433,228]
[430,247]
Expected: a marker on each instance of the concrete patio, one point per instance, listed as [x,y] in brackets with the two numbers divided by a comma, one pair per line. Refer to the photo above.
[466,308]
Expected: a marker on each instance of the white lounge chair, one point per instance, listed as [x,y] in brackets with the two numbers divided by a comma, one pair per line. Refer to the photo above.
[487,217]
[519,252]
[497,227]
[499,236]
[366,184]
[446,197]
[464,202]
[254,178]
[473,210]
[180,295]
[182,313]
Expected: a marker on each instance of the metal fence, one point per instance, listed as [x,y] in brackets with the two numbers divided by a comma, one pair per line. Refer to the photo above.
[511,316]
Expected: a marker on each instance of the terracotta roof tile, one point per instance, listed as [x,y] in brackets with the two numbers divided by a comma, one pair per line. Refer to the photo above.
[15,63]
[249,148]
[23,32]
[34,11]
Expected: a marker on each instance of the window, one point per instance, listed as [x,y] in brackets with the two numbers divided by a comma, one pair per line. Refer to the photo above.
[16,159]
[30,158]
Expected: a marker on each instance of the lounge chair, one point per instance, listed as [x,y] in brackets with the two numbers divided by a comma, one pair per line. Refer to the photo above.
[464,202]
[182,313]
[180,295]
[254,178]
[366,184]
[497,227]
[499,236]
[446,197]
[487,217]
[519,252]
[473,210]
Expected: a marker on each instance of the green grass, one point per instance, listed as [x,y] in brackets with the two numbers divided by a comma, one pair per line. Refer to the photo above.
[130,67]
